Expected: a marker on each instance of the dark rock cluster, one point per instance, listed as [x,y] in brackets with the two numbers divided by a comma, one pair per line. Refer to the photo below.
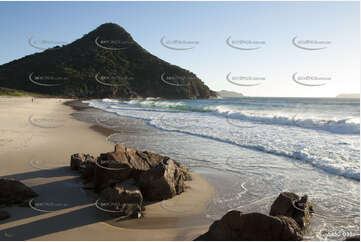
[288,219]
[13,192]
[126,177]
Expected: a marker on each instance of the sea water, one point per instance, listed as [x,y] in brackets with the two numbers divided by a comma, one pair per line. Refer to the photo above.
[251,149]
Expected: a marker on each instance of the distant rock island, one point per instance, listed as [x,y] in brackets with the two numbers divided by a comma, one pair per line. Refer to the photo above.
[349,95]
[106,62]
[225,93]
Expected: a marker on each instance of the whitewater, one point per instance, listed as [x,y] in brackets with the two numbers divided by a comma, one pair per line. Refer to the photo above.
[324,133]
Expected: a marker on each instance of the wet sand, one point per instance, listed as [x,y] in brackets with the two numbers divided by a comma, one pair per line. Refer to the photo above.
[36,141]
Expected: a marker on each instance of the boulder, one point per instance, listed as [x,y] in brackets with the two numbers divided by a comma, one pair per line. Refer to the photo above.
[289,217]
[110,172]
[161,182]
[291,205]
[122,164]
[76,160]
[166,176]
[252,226]
[353,238]
[123,199]
[85,164]
[89,186]
[4,215]
[139,160]
[87,170]
[184,171]
[14,192]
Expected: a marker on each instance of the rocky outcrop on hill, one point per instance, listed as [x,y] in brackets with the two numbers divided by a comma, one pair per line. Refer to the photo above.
[125,176]
[288,220]
[14,192]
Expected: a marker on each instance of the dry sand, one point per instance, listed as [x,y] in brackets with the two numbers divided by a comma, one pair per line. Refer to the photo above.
[36,141]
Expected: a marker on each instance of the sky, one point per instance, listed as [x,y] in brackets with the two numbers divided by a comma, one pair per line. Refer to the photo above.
[280,66]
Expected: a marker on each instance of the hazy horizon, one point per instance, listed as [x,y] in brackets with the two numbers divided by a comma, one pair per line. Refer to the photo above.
[297,97]
[291,49]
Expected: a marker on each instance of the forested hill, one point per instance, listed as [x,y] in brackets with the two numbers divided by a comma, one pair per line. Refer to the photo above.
[106,62]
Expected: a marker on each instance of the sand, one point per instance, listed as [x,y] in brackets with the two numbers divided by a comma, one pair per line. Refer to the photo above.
[36,141]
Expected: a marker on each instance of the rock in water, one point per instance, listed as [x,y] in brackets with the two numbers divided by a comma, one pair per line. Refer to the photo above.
[162,182]
[291,205]
[14,192]
[288,220]
[353,238]
[4,215]
[252,226]
[124,199]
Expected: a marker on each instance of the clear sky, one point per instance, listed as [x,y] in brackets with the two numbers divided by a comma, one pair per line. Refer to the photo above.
[209,24]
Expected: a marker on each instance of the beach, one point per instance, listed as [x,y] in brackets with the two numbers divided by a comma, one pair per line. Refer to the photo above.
[38,136]
[167,121]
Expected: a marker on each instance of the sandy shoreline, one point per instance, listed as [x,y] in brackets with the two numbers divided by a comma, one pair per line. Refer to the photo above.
[36,141]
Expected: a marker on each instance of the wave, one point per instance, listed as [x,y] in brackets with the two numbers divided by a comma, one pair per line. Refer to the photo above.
[338,126]
[350,170]
[158,103]
[294,143]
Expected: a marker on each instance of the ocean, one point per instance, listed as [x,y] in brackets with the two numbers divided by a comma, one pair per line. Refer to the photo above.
[252,148]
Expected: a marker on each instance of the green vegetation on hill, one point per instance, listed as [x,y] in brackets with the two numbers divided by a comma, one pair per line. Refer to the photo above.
[106,62]
[15,93]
